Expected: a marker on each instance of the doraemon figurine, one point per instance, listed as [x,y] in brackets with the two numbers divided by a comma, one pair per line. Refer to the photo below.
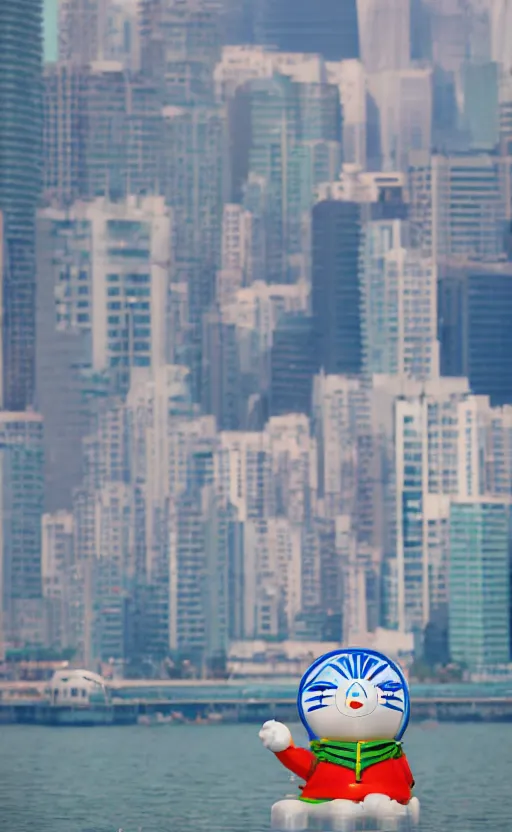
[355,707]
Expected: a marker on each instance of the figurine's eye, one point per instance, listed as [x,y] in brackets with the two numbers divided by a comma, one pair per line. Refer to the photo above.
[390,687]
[321,686]
[318,695]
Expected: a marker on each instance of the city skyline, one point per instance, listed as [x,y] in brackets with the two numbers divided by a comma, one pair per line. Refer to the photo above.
[257,309]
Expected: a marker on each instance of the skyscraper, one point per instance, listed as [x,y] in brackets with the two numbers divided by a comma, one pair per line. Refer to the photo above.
[294,363]
[336,290]
[399,289]
[385,33]
[81,24]
[21,51]
[326,27]
[474,312]
[180,45]
[21,508]
[459,206]
[101,132]
[479,583]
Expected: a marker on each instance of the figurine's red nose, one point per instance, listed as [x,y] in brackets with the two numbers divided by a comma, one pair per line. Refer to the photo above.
[356,705]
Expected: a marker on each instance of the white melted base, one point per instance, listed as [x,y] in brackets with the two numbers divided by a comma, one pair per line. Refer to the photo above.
[377,813]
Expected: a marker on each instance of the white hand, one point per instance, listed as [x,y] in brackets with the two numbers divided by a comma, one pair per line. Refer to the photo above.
[275,736]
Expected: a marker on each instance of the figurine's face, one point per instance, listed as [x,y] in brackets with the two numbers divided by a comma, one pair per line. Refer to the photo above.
[353,696]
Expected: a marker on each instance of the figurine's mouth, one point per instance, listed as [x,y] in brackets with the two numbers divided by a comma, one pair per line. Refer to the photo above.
[355,705]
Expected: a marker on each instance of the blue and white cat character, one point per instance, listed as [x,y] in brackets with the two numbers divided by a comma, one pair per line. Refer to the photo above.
[355,707]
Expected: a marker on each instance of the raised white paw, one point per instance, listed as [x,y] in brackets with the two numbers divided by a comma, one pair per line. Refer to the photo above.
[275,736]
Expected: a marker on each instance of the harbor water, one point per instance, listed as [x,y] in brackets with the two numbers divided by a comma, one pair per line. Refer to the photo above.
[218,778]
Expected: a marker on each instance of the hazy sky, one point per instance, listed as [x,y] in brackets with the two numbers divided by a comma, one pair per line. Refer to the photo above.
[50,29]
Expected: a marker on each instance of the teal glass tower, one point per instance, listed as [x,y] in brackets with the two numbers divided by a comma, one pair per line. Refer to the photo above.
[21,54]
[479,631]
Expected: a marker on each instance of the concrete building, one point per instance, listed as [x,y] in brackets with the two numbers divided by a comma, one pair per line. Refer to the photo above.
[102,129]
[57,572]
[21,509]
[399,289]
[341,425]
[401,115]
[459,206]
[82,27]
[103,275]
[420,420]
[183,64]
[195,186]
[384,33]
[272,596]
[350,77]
[237,242]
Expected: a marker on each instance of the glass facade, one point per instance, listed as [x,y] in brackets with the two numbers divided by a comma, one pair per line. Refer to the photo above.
[479,584]
[474,309]
[336,285]
[20,172]
[325,27]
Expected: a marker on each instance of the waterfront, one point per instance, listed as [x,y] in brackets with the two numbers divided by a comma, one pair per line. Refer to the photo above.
[220,779]
[235,701]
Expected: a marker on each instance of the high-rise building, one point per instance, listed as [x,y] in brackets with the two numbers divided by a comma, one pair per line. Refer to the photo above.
[401,114]
[421,421]
[98,30]
[459,206]
[193,176]
[104,273]
[384,33]
[480,111]
[340,422]
[474,309]
[350,78]
[102,128]
[336,285]
[21,54]
[180,46]
[479,630]
[122,133]
[325,27]
[81,26]
[399,291]
[57,559]
[64,135]
[237,21]
[294,363]
[222,388]
[285,131]
[505,116]
[21,509]
[501,34]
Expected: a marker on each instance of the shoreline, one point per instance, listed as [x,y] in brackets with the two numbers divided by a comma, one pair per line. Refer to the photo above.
[172,712]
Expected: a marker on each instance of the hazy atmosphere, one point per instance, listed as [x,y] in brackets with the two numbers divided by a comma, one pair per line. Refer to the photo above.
[255,409]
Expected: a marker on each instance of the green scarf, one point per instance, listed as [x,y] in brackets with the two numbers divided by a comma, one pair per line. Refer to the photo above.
[356,755]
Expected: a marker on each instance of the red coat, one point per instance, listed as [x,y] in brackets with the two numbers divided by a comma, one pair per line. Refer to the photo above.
[329,781]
